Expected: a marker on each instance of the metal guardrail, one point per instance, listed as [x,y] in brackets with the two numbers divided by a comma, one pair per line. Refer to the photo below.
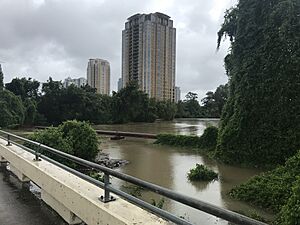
[186,200]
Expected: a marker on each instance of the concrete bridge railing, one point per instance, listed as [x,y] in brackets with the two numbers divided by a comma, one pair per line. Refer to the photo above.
[75,196]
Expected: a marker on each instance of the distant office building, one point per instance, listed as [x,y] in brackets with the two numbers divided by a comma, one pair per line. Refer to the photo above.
[98,75]
[177,94]
[120,84]
[78,82]
[149,54]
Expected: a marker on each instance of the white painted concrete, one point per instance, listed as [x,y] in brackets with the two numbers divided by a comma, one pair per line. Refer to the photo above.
[19,174]
[74,194]
[65,213]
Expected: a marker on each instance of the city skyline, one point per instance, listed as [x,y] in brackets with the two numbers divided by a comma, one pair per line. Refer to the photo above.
[33,45]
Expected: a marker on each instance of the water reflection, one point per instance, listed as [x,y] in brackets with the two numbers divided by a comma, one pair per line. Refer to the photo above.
[178,126]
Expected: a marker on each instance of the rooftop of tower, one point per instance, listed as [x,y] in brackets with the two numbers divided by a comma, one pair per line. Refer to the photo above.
[138,15]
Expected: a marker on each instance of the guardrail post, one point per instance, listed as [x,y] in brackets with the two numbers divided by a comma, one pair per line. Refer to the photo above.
[8,140]
[106,197]
[37,154]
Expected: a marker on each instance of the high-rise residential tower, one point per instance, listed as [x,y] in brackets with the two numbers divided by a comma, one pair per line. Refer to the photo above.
[149,54]
[98,75]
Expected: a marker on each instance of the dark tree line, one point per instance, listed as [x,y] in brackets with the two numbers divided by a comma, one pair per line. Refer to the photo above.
[27,102]
[23,103]
[211,107]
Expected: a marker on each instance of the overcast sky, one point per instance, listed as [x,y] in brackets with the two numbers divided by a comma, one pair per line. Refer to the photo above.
[42,38]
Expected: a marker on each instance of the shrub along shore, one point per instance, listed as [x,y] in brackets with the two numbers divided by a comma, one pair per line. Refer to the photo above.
[207,141]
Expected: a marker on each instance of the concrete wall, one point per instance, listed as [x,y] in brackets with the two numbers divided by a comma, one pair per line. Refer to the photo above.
[74,199]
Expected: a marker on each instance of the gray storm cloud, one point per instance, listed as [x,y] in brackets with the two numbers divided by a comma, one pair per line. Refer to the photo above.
[56,38]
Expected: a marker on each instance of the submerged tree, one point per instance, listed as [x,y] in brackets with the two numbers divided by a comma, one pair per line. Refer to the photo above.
[260,122]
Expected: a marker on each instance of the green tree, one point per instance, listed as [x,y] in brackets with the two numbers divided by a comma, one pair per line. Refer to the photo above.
[25,88]
[260,122]
[220,96]
[11,109]
[192,105]
[50,102]
[214,102]
[130,105]
[30,111]
[166,110]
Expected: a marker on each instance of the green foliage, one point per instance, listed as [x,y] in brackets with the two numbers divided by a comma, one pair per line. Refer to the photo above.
[72,137]
[201,173]
[290,212]
[192,106]
[272,189]
[209,138]
[166,110]
[25,88]
[30,111]
[83,138]
[132,105]
[206,142]
[159,204]
[11,109]
[260,123]
[212,104]
[96,176]
[52,137]
[59,104]
[178,140]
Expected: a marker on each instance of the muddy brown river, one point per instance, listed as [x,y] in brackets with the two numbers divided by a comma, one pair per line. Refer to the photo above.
[168,167]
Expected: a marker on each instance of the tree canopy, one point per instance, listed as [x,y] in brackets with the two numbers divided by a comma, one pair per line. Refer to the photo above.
[12,111]
[25,88]
[260,122]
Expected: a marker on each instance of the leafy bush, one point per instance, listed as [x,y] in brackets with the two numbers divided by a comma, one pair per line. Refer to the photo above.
[272,189]
[290,213]
[178,140]
[72,137]
[201,173]
[159,204]
[207,141]
[83,138]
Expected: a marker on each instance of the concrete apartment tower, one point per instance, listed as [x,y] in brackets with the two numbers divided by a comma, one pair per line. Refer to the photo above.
[149,54]
[98,75]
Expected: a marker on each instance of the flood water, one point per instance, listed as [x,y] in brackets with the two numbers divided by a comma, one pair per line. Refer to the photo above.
[168,166]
